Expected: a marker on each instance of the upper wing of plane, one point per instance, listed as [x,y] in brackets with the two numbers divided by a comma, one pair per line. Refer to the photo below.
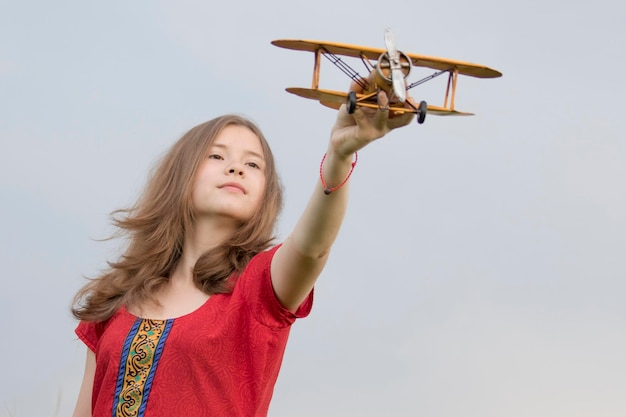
[464,68]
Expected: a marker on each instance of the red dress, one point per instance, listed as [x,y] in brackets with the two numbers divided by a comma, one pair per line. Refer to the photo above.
[221,360]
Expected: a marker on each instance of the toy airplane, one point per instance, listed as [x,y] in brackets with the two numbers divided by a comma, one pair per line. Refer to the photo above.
[389,74]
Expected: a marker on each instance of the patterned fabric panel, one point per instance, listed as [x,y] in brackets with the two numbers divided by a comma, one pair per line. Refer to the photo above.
[140,357]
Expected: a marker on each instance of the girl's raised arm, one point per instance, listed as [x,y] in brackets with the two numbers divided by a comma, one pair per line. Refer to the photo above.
[299,261]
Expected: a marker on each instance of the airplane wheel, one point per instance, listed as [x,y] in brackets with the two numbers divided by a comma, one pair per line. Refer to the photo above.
[421,114]
[351,102]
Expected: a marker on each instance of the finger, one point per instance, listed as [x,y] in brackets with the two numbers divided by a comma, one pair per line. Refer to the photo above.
[357,85]
[382,115]
[381,119]
[343,118]
[370,120]
[400,120]
[360,117]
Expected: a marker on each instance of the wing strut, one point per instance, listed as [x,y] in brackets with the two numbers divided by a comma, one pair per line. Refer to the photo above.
[430,77]
[345,68]
[451,89]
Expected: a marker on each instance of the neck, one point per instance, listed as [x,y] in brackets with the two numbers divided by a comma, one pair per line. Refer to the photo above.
[205,234]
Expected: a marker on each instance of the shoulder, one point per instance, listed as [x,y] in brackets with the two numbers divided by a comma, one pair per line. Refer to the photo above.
[261,261]
[255,286]
[91,332]
[257,270]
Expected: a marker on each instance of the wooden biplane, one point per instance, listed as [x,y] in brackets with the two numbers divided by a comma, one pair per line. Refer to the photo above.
[389,73]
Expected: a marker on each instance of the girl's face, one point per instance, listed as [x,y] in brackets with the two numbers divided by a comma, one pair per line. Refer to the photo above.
[230,181]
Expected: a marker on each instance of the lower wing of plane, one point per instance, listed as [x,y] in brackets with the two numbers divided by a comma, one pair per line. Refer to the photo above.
[334,100]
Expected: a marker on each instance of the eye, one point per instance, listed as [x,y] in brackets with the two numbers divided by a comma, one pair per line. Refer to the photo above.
[253,165]
[215,156]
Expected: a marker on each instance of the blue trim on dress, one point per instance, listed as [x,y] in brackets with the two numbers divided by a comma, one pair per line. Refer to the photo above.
[120,373]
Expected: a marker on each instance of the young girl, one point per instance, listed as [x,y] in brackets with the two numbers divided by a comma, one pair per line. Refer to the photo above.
[193,319]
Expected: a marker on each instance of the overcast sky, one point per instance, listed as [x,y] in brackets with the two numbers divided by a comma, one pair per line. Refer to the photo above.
[480,271]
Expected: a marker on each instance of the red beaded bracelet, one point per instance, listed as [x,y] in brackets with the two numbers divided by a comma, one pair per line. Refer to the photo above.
[328,190]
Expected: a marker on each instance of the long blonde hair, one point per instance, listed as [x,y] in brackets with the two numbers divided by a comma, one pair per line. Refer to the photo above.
[155,228]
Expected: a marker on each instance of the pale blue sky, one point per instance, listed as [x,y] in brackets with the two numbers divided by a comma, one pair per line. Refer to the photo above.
[480,272]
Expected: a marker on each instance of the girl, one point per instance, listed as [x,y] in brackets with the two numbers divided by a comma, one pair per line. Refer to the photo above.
[193,319]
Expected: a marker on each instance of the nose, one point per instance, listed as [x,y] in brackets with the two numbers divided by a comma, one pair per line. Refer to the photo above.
[235,170]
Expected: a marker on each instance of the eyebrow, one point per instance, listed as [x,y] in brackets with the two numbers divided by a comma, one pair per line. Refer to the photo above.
[247,152]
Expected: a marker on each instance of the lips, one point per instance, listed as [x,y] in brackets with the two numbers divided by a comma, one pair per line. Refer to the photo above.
[233,186]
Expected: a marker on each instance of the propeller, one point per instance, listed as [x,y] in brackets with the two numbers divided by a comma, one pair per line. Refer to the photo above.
[397,77]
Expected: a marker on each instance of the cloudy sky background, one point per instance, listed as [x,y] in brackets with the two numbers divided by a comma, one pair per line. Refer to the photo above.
[481,268]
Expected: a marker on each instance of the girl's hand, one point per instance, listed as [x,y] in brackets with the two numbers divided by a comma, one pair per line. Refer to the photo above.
[352,132]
